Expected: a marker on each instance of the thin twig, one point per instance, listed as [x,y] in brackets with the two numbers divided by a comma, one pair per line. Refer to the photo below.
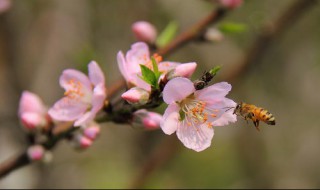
[169,146]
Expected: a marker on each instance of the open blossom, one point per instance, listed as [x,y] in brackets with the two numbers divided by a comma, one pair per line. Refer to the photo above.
[32,111]
[192,114]
[144,31]
[129,65]
[149,120]
[84,96]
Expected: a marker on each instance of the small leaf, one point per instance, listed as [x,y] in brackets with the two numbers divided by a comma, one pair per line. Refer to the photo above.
[148,75]
[155,68]
[182,115]
[167,34]
[215,70]
[232,27]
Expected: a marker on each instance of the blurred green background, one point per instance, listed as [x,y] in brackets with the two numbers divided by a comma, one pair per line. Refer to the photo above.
[38,39]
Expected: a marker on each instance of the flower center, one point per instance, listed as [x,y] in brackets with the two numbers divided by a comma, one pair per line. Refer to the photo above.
[196,112]
[75,91]
[156,57]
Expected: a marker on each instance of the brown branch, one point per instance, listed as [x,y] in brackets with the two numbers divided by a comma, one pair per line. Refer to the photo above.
[169,146]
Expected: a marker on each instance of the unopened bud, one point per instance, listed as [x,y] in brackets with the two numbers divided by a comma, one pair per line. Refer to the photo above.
[136,95]
[32,120]
[92,131]
[147,120]
[82,142]
[231,4]
[35,152]
[182,70]
[5,5]
[213,35]
[144,31]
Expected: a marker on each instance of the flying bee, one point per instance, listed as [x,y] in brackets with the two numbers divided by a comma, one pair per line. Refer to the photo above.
[256,114]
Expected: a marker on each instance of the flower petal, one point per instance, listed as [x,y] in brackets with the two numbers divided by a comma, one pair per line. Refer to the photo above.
[138,54]
[170,119]
[96,75]
[185,70]
[67,109]
[177,89]
[30,102]
[122,64]
[212,92]
[197,137]
[228,116]
[71,77]
[166,66]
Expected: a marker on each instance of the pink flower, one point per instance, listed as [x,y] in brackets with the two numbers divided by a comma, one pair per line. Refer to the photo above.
[192,114]
[32,111]
[149,120]
[84,96]
[129,65]
[35,152]
[231,3]
[144,31]
[81,142]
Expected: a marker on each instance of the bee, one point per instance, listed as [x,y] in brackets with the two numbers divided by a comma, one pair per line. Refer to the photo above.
[256,114]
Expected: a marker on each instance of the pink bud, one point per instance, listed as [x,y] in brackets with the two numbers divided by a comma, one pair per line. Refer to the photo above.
[35,152]
[5,5]
[136,95]
[92,131]
[144,31]
[149,120]
[182,70]
[31,120]
[83,142]
[231,4]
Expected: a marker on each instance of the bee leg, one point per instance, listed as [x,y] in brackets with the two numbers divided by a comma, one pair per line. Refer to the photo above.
[256,124]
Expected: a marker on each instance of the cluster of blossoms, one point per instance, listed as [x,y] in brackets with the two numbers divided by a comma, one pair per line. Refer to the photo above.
[192,112]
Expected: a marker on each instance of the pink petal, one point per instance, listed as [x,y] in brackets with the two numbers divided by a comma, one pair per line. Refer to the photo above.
[152,120]
[67,109]
[144,31]
[185,70]
[197,140]
[170,119]
[96,75]
[140,83]
[138,54]
[218,90]
[70,77]
[167,66]
[228,116]
[30,102]
[31,120]
[177,89]
[123,66]
[99,96]
[35,152]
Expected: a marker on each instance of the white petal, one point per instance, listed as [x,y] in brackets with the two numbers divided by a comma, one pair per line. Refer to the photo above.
[67,109]
[72,77]
[228,116]
[170,119]
[218,90]
[197,137]
[177,89]
[95,73]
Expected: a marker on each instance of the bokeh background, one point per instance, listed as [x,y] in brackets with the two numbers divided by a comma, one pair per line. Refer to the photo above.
[38,39]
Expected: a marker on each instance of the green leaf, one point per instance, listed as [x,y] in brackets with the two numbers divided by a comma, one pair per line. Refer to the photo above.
[215,70]
[182,115]
[155,68]
[232,27]
[148,75]
[167,34]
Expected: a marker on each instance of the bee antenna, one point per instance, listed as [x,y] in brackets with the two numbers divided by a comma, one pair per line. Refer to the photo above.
[229,108]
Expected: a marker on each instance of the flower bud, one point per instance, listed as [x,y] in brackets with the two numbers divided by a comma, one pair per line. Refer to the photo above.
[92,131]
[5,5]
[136,95]
[32,120]
[146,119]
[35,152]
[144,31]
[81,142]
[182,70]
[213,35]
[231,4]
